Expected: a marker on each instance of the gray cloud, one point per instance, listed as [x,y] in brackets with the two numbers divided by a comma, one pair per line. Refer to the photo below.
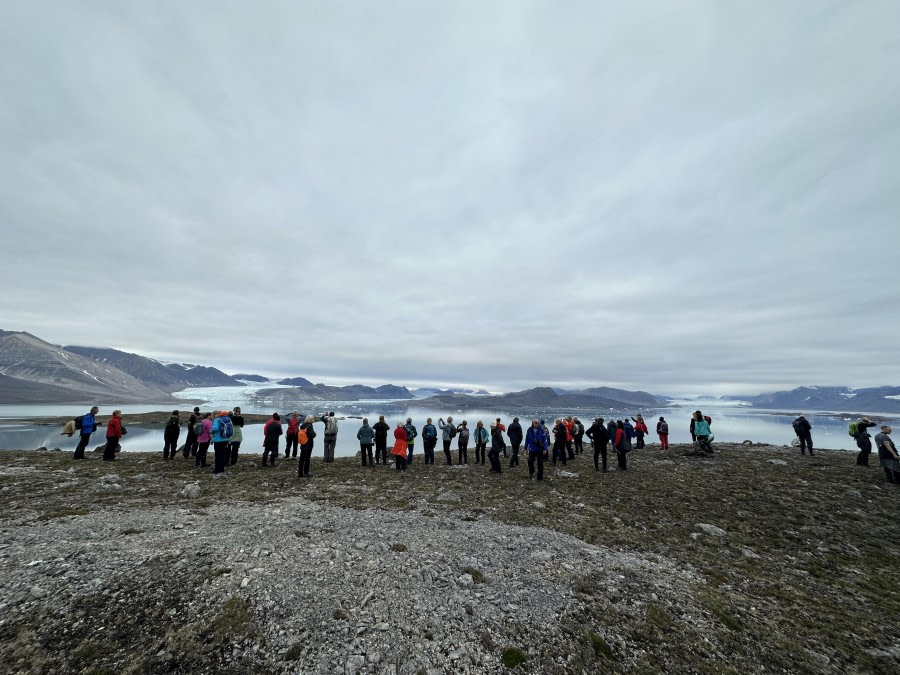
[682,198]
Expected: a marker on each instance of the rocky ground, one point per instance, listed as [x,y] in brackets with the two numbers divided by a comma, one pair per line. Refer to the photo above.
[754,560]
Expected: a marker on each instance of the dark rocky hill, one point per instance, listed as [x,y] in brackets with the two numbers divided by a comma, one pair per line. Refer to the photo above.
[530,399]
[250,378]
[324,392]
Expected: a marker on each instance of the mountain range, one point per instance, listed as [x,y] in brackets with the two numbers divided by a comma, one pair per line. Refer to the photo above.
[837,399]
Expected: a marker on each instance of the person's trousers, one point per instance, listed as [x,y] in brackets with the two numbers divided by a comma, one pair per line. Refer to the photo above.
[494,456]
[303,463]
[291,445]
[233,450]
[429,450]
[559,454]
[463,454]
[599,453]
[409,454]
[479,452]
[447,452]
[865,449]
[891,475]
[82,444]
[330,442]
[201,454]
[579,445]
[664,441]
[365,451]
[623,459]
[220,456]
[536,457]
[381,454]
[170,445]
[401,463]
[569,449]
[109,452]
[639,444]
[805,443]
[191,446]
[270,448]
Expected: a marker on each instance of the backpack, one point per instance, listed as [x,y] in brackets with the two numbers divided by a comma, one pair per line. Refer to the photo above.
[798,428]
[172,425]
[663,427]
[78,421]
[464,435]
[226,428]
[198,428]
[330,426]
[411,432]
[452,431]
[302,436]
[429,431]
[853,429]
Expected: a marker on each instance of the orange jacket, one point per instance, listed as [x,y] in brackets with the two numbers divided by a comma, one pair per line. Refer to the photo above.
[399,442]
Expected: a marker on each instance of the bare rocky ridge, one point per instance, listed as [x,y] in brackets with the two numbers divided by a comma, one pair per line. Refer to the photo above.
[681,564]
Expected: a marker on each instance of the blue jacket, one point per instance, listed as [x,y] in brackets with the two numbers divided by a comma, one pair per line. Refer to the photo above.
[366,434]
[218,429]
[88,424]
[629,430]
[536,440]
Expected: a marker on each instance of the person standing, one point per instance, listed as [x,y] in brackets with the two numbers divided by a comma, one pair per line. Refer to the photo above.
[621,446]
[578,435]
[481,440]
[429,440]
[640,430]
[863,441]
[599,439]
[88,426]
[290,435]
[204,438]
[448,431]
[114,431]
[536,445]
[560,435]
[502,428]
[611,432]
[629,433]
[191,445]
[411,433]
[702,432]
[271,431]
[237,436]
[462,445]
[170,435]
[803,429]
[887,455]
[331,431]
[399,449]
[381,429]
[662,430]
[306,437]
[365,435]
[515,440]
[222,431]
[569,426]
[497,446]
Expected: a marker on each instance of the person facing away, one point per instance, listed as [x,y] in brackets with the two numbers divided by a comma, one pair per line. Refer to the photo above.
[222,431]
[271,431]
[399,449]
[290,435]
[599,439]
[537,444]
[448,431]
[191,444]
[411,433]
[366,436]
[481,440]
[429,440]
[204,438]
[803,429]
[621,446]
[306,437]
[515,435]
[170,435]
[559,441]
[88,426]
[887,455]
[114,431]
[462,443]
[497,446]
[640,430]
[381,429]
[331,431]
[237,437]
[578,435]
[662,430]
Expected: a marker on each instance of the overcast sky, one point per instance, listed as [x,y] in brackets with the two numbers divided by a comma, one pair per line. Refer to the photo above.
[685,198]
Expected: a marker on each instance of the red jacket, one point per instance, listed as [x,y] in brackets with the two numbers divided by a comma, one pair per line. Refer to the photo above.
[114,427]
[399,442]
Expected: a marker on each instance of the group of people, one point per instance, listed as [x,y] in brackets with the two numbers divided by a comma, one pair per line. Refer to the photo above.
[888,457]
